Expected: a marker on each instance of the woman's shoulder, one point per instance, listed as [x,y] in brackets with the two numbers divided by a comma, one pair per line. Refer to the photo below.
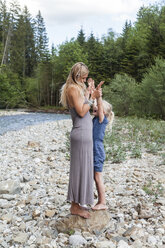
[72,89]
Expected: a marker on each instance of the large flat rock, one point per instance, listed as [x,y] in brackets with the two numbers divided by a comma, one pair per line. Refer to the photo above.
[10,187]
[96,223]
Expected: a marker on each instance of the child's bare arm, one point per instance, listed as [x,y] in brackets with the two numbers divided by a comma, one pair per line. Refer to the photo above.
[100,109]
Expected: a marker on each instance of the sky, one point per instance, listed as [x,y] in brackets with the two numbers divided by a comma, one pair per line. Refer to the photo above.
[64,18]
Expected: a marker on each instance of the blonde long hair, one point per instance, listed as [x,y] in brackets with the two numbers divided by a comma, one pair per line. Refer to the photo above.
[78,70]
[108,112]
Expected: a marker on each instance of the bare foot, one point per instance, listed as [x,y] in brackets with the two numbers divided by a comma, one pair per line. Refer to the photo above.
[77,210]
[85,208]
[99,206]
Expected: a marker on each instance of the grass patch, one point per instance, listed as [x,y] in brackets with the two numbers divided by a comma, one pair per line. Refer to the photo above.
[131,135]
[156,190]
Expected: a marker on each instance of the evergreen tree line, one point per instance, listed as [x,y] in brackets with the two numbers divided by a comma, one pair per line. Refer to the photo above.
[132,64]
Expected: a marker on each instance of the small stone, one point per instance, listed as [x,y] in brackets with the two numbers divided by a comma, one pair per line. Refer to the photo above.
[37,160]
[4,204]
[129,231]
[36,213]
[21,237]
[7,218]
[105,244]
[33,144]
[26,178]
[122,244]
[50,158]
[77,240]
[137,244]
[152,240]
[50,213]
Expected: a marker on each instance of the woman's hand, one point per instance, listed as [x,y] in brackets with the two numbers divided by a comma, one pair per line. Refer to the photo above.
[91,85]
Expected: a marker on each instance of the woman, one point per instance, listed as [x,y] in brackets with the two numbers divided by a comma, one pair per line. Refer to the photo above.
[75,96]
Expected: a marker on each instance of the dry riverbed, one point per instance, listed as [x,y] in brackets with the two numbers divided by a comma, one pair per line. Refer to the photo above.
[34,164]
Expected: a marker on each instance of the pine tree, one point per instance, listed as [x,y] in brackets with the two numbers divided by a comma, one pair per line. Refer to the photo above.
[81,37]
[41,39]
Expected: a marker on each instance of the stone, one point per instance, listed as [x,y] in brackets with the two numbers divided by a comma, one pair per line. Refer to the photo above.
[33,144]
[75,240]
[123,244]
[10,187]
[4,204]
[137,244]
[97,222]
[105,244]
[7,218]
[129,231]
[36,213]
[21,237]
[152,240]
[9,197]
[50,213]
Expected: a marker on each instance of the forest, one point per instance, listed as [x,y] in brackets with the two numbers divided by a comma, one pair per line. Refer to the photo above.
[132,63]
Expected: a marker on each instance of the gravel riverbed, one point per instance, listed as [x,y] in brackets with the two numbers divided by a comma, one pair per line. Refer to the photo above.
[34,178]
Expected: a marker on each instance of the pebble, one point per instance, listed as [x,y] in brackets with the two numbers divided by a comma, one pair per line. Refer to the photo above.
[33,189]
[75,240]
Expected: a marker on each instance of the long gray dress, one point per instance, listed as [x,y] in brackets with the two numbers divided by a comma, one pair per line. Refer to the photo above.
[80,188]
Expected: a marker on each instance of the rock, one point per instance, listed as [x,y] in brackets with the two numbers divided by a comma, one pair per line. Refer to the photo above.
[21,238]
[75,240]
[137,244]
[4,204]
[36,213]
[26,178]
[37,160]
[105,244]
[10,187]
[98,221]
[9,197]
[152,240]
[7,218]
[129,231]
[123,244]
[33,144]
[50,213]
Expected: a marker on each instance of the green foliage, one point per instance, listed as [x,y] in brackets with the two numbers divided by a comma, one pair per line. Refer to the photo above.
[154,190]
[121,93]
[31,86]
[153,90]
[131,64]
[10,90]
[131,135]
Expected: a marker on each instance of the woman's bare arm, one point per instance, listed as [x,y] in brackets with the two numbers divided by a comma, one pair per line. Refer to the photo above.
[76,101]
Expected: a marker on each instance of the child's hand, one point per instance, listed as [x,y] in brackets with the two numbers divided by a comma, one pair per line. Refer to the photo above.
[99,85]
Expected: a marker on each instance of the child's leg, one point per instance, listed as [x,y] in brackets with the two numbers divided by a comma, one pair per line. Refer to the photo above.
[101,204]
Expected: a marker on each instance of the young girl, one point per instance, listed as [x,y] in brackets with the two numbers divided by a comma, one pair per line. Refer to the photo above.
[103,115]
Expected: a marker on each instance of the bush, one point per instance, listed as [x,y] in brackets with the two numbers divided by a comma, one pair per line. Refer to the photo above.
[153,90]
[10,93]
[120,93]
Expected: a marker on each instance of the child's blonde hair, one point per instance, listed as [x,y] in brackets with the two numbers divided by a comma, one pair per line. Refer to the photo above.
[108,111]
[77,71]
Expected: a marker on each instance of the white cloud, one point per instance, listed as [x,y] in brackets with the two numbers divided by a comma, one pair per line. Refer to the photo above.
[63,18]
